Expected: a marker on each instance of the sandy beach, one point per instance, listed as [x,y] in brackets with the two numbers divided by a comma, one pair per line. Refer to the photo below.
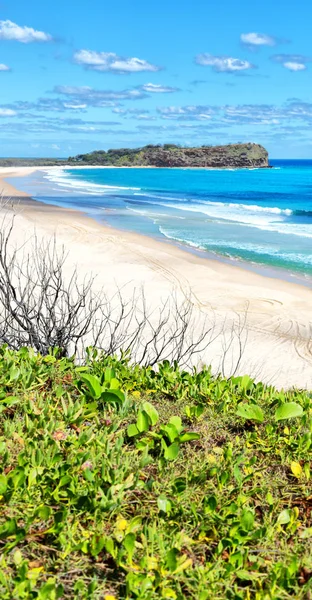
[278,314]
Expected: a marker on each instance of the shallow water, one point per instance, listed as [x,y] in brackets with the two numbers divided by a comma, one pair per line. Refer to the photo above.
[260,216]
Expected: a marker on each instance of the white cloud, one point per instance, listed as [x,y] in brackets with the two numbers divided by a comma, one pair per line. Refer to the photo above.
[156,88]
[292,62]
[75,106]
[134,113]
[183,113]
[108,61]
[4,67]
[223,64]
[12,31]
[87,95]
[7,112]
[295,66]
[257,39]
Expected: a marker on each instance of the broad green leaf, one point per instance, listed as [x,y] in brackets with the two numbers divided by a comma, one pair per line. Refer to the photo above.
[212,503]
[283,517]
[65,480]
[134,525]
[247,520]
[93,384]
[43,512]
[252,412]
[164,504]
[114,384]
[243,382]
[113,396]
[245,575]
[18,558]
[129,544]
[3,484]
[10,400]
[97,544]
[189,436]
[109,374]
[132,430]
[172,451]
[296,469]
[177,422]
[289,410]
[110,547]
[170,431]
[172,559]
[50,590]
[142,421]
[237,474]
[151,412]
[14,373]
[8,528]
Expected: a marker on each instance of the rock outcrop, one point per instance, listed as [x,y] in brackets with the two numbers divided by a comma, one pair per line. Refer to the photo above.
[235,156]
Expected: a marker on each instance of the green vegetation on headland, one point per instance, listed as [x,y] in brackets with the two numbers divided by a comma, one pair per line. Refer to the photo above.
[124,482]
[32,162]
[169,155]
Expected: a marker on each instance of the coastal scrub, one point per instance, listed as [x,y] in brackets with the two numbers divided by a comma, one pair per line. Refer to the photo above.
[127,482]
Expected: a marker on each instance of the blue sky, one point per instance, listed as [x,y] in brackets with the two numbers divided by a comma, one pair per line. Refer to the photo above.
[78,76]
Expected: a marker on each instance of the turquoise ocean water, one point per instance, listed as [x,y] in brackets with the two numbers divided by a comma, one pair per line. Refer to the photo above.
[259,216]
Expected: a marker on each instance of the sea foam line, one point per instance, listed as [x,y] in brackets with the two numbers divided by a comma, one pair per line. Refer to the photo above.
[249,247]
[66,180]
[250,207]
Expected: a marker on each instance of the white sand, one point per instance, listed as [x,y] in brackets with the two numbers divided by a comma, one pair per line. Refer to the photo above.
[279,317]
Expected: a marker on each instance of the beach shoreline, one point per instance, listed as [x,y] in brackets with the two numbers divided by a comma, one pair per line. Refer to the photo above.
[263,270]
[84,166]
[277,312]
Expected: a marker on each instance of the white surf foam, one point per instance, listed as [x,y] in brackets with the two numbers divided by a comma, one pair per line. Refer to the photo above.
[214,244]
[66,180]
[262,217]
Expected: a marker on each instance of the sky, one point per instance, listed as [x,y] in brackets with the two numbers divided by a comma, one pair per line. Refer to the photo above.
[78,76]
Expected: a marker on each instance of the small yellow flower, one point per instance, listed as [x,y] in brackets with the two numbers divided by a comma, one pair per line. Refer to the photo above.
[121,524]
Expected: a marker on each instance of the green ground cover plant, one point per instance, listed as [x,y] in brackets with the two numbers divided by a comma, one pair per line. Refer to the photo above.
[126,482]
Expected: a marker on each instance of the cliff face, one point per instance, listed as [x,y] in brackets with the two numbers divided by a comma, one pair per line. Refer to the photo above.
[230,156]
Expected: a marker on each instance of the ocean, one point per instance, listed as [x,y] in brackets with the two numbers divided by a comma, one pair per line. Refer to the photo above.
[258,217]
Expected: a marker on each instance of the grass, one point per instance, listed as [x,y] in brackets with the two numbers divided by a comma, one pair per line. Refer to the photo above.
[119,482]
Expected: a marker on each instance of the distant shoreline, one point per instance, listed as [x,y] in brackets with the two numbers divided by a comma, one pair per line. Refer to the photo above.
[82,166]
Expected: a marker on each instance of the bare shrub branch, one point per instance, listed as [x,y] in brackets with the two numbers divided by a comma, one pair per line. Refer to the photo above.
[42,307]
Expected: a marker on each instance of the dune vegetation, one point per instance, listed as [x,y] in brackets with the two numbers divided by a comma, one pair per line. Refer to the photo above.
[122,482]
